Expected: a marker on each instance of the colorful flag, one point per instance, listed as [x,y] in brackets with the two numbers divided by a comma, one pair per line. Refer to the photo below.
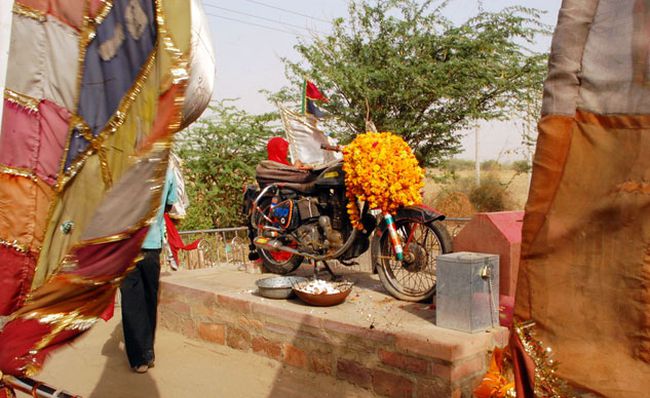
[305,139]
[584,276]
[94,91]
[311,94]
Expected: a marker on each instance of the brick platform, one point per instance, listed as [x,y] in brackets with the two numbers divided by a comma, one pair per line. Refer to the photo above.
[389,347]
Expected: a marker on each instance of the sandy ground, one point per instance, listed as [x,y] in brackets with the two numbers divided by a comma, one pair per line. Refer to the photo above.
[96,366]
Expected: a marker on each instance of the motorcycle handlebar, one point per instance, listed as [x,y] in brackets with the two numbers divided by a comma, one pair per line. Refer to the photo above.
[334,148]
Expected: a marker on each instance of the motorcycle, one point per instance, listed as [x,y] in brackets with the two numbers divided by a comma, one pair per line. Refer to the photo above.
[301,214]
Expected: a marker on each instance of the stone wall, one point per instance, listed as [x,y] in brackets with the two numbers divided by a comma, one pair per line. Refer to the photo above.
[391,364]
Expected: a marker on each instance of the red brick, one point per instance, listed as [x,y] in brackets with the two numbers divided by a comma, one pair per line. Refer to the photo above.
[238,339]
[469,367]
[249,324]
[267,347]
[448,345]
[284,314]
[280,330]
[354,373]
[391,385]
[213,333]
[176,307]
[321,362]
[294,356]
[188,328]
[441,369]
[432,389]
[234,304]
[404,362]
[415,344]
[361,332]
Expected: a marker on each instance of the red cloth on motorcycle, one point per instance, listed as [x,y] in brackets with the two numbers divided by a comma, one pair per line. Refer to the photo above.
[278,150]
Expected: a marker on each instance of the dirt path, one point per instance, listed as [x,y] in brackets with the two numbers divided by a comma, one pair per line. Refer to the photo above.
[96,367]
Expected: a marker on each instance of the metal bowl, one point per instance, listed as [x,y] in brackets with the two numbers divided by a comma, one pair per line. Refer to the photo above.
[324,299]
[278,287]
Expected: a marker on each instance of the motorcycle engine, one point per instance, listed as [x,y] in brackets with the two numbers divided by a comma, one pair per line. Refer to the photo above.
[309,237]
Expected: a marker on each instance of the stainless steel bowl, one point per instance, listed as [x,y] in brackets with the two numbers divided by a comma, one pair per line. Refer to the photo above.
[278,287]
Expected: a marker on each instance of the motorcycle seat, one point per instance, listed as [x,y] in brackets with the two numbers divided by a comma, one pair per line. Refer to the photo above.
[270,172]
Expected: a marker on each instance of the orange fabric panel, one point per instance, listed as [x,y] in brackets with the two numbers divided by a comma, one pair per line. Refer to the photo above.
[167,116]
[24,205]
[585,271]
[69,12]
[41,5]
[553,143]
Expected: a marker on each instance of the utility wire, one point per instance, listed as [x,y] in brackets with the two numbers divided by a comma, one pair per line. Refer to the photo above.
[262,18]
[288,11]
[255,24]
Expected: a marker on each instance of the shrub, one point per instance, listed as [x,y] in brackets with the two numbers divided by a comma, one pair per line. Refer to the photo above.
[454,204]
[521,166]
[454,165]
[490,165]
[491,195]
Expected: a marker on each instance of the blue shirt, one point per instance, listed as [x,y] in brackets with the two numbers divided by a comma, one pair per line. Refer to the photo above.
[154,237]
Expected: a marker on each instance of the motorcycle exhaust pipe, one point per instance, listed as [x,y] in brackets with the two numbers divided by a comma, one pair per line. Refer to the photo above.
[275,245]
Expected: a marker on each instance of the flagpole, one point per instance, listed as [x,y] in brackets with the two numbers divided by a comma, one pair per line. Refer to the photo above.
[304,96]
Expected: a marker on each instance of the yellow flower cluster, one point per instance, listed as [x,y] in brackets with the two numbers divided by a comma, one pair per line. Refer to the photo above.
[380,169]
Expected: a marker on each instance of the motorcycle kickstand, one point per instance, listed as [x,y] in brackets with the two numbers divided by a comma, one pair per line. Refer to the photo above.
[334,276]
[314,264]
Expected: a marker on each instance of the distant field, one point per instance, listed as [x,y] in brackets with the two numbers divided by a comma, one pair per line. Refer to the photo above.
[514,185]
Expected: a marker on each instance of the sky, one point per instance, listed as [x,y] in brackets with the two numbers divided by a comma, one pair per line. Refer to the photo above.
[251,37]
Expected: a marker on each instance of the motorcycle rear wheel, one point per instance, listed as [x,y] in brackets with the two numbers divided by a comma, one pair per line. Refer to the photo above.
[277,262]
[413,279]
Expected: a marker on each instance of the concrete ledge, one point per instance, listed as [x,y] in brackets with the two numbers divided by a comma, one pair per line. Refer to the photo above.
[389,347]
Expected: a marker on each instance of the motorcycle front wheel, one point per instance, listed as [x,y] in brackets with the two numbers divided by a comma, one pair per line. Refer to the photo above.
[277,262]
[414,278]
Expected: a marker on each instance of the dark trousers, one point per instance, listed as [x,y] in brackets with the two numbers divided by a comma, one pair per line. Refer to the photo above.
[139,292]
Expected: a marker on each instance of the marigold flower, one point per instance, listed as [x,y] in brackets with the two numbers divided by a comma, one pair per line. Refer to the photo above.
[381,169]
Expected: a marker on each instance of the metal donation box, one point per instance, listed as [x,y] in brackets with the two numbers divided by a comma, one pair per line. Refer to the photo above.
[467,292]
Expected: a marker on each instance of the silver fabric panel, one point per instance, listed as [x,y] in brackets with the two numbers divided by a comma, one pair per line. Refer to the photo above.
[561,88]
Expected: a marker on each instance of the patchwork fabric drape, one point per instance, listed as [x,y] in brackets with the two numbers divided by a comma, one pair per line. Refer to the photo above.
[584,277]
[94,90]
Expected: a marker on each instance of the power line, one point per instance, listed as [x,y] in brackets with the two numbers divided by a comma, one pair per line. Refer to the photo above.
[288,11]
[255,24]
[262,18]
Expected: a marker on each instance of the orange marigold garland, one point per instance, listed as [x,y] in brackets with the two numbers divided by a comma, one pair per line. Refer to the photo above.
[380,169]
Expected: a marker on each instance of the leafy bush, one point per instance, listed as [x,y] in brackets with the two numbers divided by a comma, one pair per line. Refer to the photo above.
[220,155]
[490,165]
[521,166]
[454,165]
[491,195]
[454,204]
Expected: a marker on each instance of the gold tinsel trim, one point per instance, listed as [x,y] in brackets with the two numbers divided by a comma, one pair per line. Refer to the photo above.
[73,320]
[106,170]
[103,12]
[29,12]
[547,382]
[19,172]
[115,122]
[14,245]
[23,100]
[180,74]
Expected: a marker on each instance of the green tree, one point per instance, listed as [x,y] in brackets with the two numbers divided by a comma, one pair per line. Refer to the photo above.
[219,157]
[421,76]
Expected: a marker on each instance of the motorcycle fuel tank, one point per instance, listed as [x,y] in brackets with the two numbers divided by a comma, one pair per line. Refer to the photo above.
[332,177]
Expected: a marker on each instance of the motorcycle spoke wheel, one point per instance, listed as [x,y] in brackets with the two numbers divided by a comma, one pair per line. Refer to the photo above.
[278,262]
[413,279]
